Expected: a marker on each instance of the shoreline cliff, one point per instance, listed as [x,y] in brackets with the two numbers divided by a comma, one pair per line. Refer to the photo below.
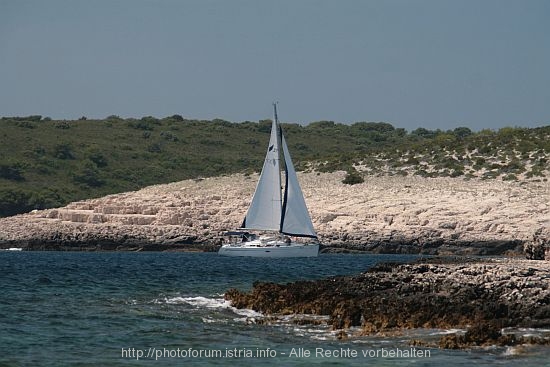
[384,214]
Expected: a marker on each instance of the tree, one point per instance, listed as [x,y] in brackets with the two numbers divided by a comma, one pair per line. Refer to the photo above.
[462,132]
[381,127]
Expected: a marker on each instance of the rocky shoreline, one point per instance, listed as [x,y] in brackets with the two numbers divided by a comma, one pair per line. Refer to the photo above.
[484,296]
[384,214]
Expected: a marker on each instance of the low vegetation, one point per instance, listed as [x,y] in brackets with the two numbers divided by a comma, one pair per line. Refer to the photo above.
[47,163]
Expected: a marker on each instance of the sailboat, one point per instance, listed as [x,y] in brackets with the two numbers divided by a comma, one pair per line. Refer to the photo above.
[277,211]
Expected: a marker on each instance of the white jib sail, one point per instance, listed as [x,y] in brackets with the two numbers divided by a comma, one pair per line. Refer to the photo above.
[296,219]
[265,209]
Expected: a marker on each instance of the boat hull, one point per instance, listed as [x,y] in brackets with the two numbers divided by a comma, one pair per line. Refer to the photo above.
[310,250]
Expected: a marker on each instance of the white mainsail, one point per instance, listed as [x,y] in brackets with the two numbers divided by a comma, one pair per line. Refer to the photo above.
[268,209]
[265,209]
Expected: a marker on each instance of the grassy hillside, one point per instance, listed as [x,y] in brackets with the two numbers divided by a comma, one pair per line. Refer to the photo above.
[47,163]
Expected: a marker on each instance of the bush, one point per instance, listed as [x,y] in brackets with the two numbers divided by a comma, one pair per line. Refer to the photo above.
[155,147]
[166,135]
[514,166]
[64,125]
[141,125]
[177,118]
[98,158]
[63,151]
[15,201]
[11,171]
[457,173]
[88,175]
[353,177]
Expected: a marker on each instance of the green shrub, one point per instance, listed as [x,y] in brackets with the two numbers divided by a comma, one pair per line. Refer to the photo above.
[11,171]
[63,151]
[88,175]
[98,158]
[353,177]
[457,173]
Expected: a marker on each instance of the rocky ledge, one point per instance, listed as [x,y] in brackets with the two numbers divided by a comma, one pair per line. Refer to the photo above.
[384,214]
[484,296]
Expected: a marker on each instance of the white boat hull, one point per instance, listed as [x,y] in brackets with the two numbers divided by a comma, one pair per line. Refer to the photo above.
[278,250]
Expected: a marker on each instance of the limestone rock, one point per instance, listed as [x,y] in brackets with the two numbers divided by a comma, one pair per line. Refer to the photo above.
[383,214]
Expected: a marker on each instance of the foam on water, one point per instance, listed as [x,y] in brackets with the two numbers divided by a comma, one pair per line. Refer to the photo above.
[517,350]
[527,332]
[447,331]
[211,303]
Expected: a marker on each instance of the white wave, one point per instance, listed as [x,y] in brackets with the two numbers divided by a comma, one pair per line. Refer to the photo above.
[246,312]
[199,301]
[526,332]
[447,331]
[517,350]
[322,338]
[212,303]
[210,320]
[321,333]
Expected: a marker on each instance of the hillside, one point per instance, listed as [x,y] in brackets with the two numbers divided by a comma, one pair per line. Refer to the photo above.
[48,163]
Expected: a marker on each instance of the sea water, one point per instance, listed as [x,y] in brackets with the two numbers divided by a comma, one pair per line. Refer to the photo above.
[160,309]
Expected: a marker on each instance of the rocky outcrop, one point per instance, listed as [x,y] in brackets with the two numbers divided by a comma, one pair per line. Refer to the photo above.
[435,293]
[389,214]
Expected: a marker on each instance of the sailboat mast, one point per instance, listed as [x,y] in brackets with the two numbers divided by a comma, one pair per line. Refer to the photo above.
[282,159]
[279,147]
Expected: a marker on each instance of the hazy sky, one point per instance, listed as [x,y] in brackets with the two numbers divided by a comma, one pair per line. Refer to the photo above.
[430,63]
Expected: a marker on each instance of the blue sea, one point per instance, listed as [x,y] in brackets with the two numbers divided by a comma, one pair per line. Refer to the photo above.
[165,309]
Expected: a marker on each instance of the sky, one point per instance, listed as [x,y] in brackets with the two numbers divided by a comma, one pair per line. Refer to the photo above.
[437,64]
